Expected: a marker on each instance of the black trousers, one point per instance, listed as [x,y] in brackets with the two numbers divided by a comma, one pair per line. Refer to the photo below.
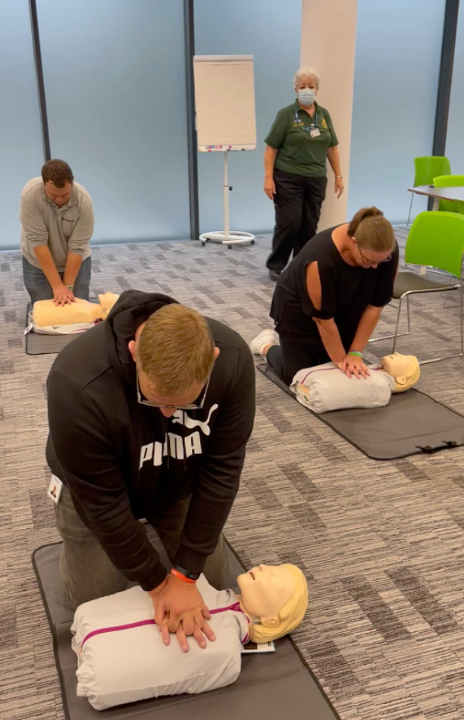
[297,203]
[291,356]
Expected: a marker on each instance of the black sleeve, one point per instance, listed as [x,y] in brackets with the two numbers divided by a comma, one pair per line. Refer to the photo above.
[328,292]
[217,483]
[92,472]
[383,291]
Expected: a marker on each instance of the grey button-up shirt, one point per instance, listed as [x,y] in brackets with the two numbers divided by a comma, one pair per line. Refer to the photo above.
[63,229]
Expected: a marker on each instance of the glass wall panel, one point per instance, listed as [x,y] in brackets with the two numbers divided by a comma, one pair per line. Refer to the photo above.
[269,30]
[455,138]
[398,49]
[114,75]
[21,153]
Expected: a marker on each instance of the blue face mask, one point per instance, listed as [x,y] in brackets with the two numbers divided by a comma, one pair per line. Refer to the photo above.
[306,96]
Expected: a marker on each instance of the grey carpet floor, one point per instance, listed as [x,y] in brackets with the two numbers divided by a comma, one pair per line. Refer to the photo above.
[381,543]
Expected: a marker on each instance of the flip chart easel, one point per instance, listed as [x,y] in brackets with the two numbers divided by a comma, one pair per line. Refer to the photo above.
[225,121]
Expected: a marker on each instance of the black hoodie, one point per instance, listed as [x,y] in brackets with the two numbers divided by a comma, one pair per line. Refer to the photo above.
[123,461]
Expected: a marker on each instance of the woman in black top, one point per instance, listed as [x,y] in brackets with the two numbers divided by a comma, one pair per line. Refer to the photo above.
[328,301]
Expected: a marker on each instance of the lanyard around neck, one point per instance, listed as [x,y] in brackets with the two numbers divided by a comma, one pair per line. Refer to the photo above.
[302,126]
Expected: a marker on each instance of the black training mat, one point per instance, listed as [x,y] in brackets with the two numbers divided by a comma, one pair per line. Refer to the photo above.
[412,423]
[271,686]
[40,344]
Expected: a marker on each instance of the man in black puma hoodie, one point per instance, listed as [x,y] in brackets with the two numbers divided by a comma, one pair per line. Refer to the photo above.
[125,448]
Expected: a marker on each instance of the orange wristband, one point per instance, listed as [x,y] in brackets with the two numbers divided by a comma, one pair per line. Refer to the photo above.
[182,577]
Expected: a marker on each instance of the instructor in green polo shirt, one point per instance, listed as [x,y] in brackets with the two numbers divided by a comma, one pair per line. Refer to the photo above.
[295,162]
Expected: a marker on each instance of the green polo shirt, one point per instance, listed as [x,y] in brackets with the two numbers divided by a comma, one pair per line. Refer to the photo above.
[298,152]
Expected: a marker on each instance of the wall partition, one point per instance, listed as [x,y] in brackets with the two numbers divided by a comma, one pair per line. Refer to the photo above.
[397,63]
[21,154]
[114,74]
[270,31]
[455,138]
[120,111]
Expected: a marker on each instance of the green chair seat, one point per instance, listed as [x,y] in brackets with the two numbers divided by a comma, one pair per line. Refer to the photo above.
[428,167]
[408,281]
[436,240]
[450,181]
[425,169]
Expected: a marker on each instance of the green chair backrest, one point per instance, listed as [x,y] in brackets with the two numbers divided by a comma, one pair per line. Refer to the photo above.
[428,167]
[449,181]
[436,239]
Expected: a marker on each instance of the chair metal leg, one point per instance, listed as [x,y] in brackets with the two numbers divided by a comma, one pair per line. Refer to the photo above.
[445,305]
[461,328]
[395,337]
[461,314]
[410,208]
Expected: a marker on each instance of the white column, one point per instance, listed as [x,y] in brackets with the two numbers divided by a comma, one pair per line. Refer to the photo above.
[328,40]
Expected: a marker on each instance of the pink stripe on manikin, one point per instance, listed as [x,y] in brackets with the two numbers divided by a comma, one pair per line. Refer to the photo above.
[140,623]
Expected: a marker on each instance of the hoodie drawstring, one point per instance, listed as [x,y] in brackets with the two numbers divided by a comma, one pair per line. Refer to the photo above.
[167,440]
[183,424]
[166,437]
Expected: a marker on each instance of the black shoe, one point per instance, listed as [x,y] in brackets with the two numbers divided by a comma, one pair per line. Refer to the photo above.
[274,274]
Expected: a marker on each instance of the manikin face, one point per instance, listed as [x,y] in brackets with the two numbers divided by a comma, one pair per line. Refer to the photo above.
[398,365]
[57,195]
[265,590]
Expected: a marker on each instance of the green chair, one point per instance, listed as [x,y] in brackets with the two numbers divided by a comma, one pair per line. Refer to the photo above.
[436,240]
[425,169]
[450,181]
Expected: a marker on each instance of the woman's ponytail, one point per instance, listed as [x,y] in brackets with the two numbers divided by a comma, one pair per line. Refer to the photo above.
[372,230]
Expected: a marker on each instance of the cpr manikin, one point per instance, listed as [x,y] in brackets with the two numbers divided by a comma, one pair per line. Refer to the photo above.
[325,387]
[79,314]
[122,657]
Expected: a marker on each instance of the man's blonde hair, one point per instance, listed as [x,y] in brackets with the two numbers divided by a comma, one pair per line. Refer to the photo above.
[175,349]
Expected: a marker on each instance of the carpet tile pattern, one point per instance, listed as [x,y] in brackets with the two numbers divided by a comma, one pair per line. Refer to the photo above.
[381,543]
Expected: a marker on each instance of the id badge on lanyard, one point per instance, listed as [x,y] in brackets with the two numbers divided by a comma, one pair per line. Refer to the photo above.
[313,130]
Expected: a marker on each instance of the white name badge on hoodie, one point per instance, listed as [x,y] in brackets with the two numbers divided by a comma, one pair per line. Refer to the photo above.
[54,489]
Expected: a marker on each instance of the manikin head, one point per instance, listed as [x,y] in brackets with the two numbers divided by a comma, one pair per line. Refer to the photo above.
[106,303]
[58,181]
[405,369]
[276,596]
[174,354]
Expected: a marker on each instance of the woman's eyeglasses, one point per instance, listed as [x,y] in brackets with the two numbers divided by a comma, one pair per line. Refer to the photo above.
[372,262]
[188,406]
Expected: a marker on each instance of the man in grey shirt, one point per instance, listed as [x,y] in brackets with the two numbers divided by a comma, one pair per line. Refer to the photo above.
[56,227]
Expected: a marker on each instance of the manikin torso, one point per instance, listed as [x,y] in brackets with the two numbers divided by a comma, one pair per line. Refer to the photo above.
[132,664]
[122,657]
[325,387]
[46,314]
